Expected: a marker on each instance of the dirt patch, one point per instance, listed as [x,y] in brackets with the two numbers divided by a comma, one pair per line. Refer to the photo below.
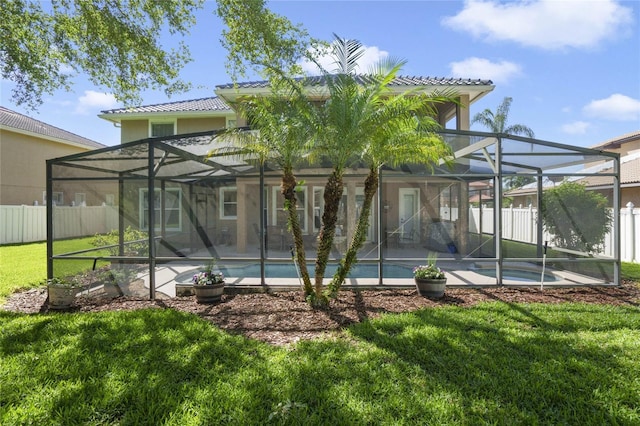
[284,317]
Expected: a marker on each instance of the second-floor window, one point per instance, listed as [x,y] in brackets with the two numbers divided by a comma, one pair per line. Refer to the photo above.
[159,129]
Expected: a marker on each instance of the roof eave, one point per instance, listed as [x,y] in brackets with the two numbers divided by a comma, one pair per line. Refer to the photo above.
[50,138]
[118,117]
[475,92]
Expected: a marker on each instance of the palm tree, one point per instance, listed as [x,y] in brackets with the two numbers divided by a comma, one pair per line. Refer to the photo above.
[401,130]
[497,123]
[361,116]
[282,136]
[344,122]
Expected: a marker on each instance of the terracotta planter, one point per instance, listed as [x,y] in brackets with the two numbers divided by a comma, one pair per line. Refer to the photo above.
[208,293]
[60,296]
[431,288]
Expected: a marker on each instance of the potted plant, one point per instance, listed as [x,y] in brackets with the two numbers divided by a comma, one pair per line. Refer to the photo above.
[61,292]
[430,280]
[208,284]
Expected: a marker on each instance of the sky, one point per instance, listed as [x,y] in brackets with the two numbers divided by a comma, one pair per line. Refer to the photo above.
[572,67]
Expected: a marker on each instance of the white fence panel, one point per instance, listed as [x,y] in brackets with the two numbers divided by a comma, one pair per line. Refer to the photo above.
[11,224]
[20,224]
[24,224]
[78,221]
[519,224]
[629,238]
[34,224]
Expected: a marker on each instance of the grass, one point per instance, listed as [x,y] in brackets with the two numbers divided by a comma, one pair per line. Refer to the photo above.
[494,363]
[25,266]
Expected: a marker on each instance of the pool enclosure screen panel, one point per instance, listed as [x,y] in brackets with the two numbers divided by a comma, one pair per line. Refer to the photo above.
[164,202]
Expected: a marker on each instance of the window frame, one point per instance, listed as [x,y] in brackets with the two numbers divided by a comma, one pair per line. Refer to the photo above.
[222,203]
[56,195]
[162,214]
[167,121]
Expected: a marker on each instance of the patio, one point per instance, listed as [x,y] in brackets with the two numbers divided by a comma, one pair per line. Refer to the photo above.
[193,207]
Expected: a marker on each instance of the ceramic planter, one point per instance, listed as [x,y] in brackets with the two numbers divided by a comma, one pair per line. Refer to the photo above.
[432,288]
[61,296]
[208,293]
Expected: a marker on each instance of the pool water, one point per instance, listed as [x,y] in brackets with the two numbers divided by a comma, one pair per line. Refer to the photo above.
[360,271]
[289,271]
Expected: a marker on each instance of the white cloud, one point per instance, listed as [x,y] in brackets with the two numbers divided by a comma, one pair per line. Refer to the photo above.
[576,128]
[372,54]
[92,101]
[547,24]
[499,72]
[616,107]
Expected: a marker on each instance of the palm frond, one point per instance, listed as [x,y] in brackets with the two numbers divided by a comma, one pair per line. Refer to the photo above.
[346,54]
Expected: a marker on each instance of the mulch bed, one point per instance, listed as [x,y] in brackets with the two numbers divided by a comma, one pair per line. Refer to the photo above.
[284,317]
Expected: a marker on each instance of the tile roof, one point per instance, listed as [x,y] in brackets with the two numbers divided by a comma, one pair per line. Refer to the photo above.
[14,120]
[615,142]
[629,176]
[398,81]
[213,103]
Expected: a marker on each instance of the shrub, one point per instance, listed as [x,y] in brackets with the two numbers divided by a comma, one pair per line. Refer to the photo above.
[136,241]
[577,218]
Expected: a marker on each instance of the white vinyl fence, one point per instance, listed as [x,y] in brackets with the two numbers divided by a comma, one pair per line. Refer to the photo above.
[519,224]
[24,224]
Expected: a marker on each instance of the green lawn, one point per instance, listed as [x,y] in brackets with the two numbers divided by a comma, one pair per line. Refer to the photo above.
[495,363]
[25,266]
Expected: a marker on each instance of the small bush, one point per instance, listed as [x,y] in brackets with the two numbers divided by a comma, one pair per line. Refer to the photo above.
[136,242]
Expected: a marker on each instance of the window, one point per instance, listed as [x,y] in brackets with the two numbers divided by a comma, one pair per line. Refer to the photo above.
[57,198]
[81,199]
[162,128]
[110,199]
[231,123]
[229,202]
[172,214]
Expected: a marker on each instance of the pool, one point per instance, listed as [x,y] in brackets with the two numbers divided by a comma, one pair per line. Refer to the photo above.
[289,271]
[522,275]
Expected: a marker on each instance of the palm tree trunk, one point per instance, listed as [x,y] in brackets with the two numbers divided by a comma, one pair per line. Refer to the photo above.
[332,197]
[289,192]
[350,257]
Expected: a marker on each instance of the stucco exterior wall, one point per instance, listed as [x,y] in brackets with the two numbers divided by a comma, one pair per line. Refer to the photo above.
[23,166]
[133,130]
[192,125]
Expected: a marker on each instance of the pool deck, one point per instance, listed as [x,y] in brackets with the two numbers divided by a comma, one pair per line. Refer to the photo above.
[165,280]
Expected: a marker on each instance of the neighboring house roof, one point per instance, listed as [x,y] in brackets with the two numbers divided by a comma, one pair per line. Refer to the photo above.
[20,123]
[616,142]
[213,103]
[629,177]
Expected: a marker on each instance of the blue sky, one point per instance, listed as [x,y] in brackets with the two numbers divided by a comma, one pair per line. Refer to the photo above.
[571,67]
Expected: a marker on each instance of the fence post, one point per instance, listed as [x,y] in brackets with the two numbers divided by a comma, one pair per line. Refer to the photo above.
[630,234]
